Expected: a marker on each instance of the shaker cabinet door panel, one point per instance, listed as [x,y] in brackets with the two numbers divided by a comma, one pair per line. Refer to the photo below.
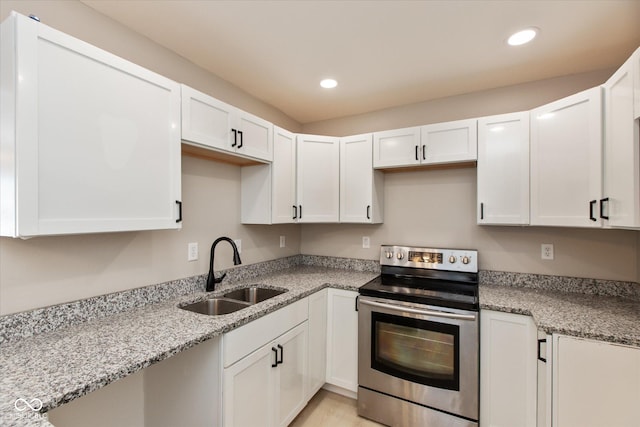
[449,142]
[361,187]
[398,147]
[318,178]
[621,193]
[595,383]
[205,120]
[102,150]
[566,161]
[503,169]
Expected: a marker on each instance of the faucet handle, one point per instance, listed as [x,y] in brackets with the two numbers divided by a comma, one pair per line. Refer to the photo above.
[219,279]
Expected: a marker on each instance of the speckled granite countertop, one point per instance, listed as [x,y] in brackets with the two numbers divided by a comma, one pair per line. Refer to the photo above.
[59,366]
[599,317]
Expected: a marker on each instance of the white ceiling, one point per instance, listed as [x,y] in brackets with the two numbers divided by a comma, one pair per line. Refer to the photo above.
[383,53]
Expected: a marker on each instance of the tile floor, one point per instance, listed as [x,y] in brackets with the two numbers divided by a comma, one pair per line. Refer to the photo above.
[327,409]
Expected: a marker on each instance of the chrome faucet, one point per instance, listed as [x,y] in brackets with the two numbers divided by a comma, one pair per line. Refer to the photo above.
[211,279]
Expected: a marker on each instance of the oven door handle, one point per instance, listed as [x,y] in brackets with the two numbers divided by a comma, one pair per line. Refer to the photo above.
[418,311]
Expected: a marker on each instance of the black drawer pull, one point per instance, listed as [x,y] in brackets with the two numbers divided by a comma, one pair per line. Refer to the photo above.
[275,350]
[591,204]
[602,202]
[540,341]
[295,212]
[179,203]
[281,355]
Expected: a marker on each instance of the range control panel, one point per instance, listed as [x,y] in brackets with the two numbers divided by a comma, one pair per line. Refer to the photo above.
[430,258]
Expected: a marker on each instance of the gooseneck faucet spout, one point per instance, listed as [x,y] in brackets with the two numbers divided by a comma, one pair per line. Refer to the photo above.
[211,279]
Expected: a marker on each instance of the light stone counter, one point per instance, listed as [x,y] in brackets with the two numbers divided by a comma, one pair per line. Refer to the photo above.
[57,354]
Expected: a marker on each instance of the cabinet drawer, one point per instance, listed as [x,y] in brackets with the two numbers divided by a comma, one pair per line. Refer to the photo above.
[242,341]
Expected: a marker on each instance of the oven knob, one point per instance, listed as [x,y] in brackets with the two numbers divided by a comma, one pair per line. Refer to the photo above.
[465,260]
[452,259]
[389,255]
[400,255]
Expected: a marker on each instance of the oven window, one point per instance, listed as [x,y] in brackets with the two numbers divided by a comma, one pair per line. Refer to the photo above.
[416,350]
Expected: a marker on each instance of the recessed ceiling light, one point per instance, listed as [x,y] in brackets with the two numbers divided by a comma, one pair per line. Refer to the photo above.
[522,37]
[328,83]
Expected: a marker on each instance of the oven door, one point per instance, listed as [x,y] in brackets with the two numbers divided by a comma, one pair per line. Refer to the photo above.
[421,353]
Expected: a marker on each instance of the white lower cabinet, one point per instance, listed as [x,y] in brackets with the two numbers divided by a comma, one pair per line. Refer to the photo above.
[595,384]
[317,342]
[265,369]
[267,388]
[342,341]
[508,370]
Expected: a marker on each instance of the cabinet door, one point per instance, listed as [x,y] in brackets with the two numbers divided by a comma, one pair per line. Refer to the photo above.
[449,142]
[291,379]
[595,384]
[206,121]
[566,161]
[318,178]
[622,149]
[284,177]
[503,169]
[508,370]
[398,147]
[360,185]
[255,136]
[342,340]
[248,396]
[317,342]
[95,149]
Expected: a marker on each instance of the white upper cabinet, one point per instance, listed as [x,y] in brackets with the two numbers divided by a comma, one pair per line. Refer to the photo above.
[622,147]
[284,177]
[398,147]
[361,187]
[449,142]
[210,123]
[90,142]
[318,182]
[566,161]
[268,191]
[503,169]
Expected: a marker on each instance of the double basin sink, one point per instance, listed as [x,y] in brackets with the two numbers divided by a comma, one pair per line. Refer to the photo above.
[232,301]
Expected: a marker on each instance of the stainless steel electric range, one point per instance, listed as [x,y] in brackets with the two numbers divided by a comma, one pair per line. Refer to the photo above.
[418,339]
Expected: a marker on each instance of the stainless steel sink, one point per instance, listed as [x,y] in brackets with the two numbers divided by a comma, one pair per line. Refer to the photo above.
[253,294]
[216,306]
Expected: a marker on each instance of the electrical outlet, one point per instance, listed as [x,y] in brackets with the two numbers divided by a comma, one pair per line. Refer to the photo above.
[366,242]
[547,251]
[192,252]
[282,241]
[238,243]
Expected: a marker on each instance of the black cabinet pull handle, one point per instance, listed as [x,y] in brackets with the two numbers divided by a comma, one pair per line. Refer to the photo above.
[295,212]
[357,296]
[591,204]
[540,358]
[602,202]
[300,211]
[417,153]
[281,361]
[240,133]
[424,152]
[179,203]
[481,210]
[368,211]
[235,137]
[275,350]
